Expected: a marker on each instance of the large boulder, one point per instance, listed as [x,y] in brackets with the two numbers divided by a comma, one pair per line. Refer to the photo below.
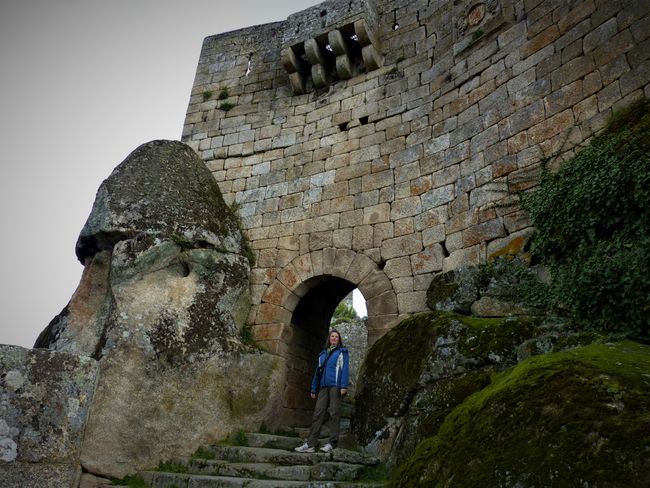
[161,305]
[45,397]
[415,375]
[574,418]
[497,289]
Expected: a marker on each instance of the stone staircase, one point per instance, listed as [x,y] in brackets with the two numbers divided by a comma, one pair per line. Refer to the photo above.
[267,461]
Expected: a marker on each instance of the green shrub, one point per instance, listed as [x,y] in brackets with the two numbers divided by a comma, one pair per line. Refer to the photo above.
[224,93]
[592,221]
[226,106]
[343,313]
[207,94]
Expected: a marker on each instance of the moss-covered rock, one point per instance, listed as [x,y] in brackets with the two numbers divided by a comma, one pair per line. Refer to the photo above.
[418,372]
[162,189]
[505,286]
[161,305]
[573,418]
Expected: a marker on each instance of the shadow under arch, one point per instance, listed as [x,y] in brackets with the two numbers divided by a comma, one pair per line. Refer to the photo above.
[293,317]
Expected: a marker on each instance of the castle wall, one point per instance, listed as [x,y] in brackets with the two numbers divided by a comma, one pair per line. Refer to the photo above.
[415,164]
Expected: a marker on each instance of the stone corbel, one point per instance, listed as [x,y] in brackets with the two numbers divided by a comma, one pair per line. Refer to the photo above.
[369,46]
[292,65]
[340,49]
[317,61]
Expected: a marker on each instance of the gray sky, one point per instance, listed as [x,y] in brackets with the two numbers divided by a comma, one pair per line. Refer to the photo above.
[82,84]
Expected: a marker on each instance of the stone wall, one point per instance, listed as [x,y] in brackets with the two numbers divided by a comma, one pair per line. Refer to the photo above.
[413,158]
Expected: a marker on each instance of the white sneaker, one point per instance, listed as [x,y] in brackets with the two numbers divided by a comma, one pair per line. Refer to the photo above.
[327,447]
[304,448]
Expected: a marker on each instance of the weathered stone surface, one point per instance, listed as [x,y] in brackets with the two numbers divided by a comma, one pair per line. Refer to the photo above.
[161,306]
[492,291]
[419,371]
[454,291]
[45,398]
[585,408]
[161,189]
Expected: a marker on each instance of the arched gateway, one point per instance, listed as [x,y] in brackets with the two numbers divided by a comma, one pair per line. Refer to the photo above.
[293,317]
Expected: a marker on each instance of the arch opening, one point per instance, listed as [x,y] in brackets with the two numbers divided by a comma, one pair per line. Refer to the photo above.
[310,325]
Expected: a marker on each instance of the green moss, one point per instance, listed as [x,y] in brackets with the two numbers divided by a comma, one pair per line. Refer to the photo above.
[391,371]
[207,94]
[132,481]
[237,438]
[172,467]
[226,106]
[203,453]
[575,418]
[441,288]
[373,473]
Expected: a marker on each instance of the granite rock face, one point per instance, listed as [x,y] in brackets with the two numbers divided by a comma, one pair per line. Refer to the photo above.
[161,304]
[487,291]
[160,190]
[45,398]
[416,374]
[573,418]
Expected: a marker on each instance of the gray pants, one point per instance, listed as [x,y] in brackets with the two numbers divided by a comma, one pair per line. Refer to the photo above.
[328,400]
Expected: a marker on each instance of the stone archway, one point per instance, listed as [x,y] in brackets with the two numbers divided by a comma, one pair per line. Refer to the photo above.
[293,317]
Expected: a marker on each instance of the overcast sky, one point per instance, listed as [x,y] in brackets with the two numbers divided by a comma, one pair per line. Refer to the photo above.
[82,84]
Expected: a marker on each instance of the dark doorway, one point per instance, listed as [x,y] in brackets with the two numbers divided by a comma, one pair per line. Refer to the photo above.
[310,325]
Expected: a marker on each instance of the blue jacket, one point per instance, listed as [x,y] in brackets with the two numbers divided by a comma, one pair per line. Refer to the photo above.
[336,371]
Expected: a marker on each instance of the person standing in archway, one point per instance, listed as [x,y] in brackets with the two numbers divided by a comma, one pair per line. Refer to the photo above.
[328,386]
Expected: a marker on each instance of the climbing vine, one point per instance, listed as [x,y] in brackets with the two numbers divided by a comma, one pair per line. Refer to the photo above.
[592,221]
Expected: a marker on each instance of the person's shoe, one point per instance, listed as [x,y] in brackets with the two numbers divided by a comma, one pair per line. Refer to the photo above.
[304,448]
[327,447]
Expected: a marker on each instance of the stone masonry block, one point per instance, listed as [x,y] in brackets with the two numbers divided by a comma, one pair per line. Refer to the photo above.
[402,285]
[317,262]
[302,265]
[462,257]
[374,284]
[429,260]
[398,267]
[382,304]
[376,214]
[342,262]
[413,302]
[571,71]
[405,207]
[329,256]
[321,240]
[401,246]
[289,277]
[343,238]
[551,127]
[276,293]
[360,267]
[484,231]
[269,313]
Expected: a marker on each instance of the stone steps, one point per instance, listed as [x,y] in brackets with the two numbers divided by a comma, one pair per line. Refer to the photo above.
[267,461]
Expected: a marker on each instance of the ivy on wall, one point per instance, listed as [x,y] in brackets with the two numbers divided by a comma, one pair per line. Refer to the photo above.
[592,221]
